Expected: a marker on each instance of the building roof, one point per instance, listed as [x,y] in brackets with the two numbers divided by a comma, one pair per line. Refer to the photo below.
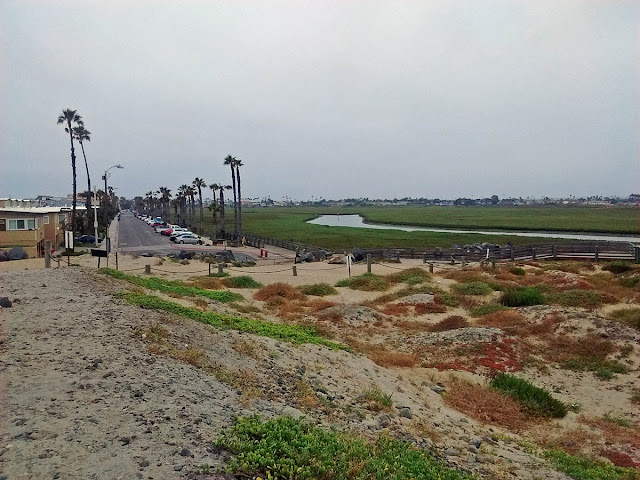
[39,210]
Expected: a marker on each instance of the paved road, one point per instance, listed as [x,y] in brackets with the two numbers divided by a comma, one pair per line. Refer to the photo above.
[136,236]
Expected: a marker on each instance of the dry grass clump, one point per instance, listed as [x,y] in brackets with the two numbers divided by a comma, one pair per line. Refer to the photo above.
[193,356]
[486,405]
[332,316]
[614,430]
[449,323]
[383,357]
[467,275]
[574,441]
[246,347]
[429,307]
[318,305]
[210,283]
[201,304]
[278,290]
[504,319]
[588,348]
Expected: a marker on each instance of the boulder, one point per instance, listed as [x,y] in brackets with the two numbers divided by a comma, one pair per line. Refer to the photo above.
[358,255]
[186,255]
[3,256]
[17,253]
[338,259]
[5,302]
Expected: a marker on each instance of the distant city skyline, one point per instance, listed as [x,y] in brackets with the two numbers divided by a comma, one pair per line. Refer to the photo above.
[343,98]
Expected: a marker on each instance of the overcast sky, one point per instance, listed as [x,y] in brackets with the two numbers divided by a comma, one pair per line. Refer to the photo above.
[333,99]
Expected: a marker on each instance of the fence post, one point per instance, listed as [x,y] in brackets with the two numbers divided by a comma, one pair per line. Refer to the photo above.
[533,253]
[493,262]
[424,257]
[295,271]
[596,253]
[512,254]
[147,269]
[220,268]
[116,261]
[209,268]
[431,268]
[637,249]
[47,254]
[554,251]
[368,263]
[463,261]
[398,257]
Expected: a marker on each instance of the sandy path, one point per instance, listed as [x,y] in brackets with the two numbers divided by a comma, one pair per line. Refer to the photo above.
[81,396]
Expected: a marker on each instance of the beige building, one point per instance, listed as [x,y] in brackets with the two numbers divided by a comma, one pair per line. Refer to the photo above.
[30,227]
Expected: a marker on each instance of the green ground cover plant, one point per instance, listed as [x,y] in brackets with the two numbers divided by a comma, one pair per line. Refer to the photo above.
[583,469]
[473,288]
[243,281]
[368,282]
[292,333]
[521,272]
[173,286]
[410,276]
[318,289]
[536,400]
[286,448]
[617,267]
[486,309]
[522,297]
[576,298]
[378,396]
[630,316]
[629,282]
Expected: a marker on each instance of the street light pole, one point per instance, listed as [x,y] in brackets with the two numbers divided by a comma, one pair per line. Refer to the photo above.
[104,215]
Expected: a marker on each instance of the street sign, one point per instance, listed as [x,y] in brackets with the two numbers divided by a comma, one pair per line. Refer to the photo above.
[68,240]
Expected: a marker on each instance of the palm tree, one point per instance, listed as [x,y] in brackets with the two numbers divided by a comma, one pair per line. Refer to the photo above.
[182,195]
[231,161]
[214,207]
[191,198]
[222,188]
[81,134]
[165,196]
[199,183]
[238,165]
[68,117]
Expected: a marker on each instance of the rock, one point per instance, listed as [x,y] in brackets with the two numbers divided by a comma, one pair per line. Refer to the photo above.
[476,442]
[177,468]
[452,452]
[144,463]
[358,255]
[405,412]
[125,441]
[437,388]
[17,253]
[147,254]
[185,452]
[417,298]
[482,458]
[384,421]
[184,262]
[5,302]
[291,412]
[3,256]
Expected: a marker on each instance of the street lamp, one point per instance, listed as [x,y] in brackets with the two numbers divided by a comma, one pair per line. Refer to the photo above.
[106,226]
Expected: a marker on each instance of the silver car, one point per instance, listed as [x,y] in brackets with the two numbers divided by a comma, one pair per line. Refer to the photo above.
[188,238]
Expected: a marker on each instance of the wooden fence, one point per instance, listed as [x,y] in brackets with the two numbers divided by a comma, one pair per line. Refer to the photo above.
[580,250]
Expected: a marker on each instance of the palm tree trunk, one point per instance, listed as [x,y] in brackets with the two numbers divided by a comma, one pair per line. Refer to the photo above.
[73,168]
[201,214]
[223,227]
[239,205]
[235,203]
[89,211]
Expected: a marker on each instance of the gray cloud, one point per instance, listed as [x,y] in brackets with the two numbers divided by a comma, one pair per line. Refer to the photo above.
[333,99]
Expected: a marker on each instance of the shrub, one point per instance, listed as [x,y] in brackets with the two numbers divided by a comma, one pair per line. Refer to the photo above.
[473,288]
[521,272]
[282,290]
[449,323]
[487,309]
[243,281]
[583,469]
[522,297]
[617,267]
[630,316]
[536,400]
[367,282]
[629,282]
[288,448]
[486,405]
[385,358]
[449,299]
[577,298]
[376,395]
[318,289]
[410,276]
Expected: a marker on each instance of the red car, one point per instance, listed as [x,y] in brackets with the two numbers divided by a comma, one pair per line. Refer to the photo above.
[166,231]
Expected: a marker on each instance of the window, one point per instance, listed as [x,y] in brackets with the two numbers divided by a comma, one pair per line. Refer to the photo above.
[46,219]
[3,224]
[21,224]
[62,217]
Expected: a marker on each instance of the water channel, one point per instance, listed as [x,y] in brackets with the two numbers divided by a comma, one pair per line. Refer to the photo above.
[356,221]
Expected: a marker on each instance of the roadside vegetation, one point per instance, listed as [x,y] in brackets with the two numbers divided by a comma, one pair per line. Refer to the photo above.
[290,448]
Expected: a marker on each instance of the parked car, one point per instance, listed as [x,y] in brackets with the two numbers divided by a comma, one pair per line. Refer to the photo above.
[187,238]
[166,231]
[179,234]
[87,239]
[160,226]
